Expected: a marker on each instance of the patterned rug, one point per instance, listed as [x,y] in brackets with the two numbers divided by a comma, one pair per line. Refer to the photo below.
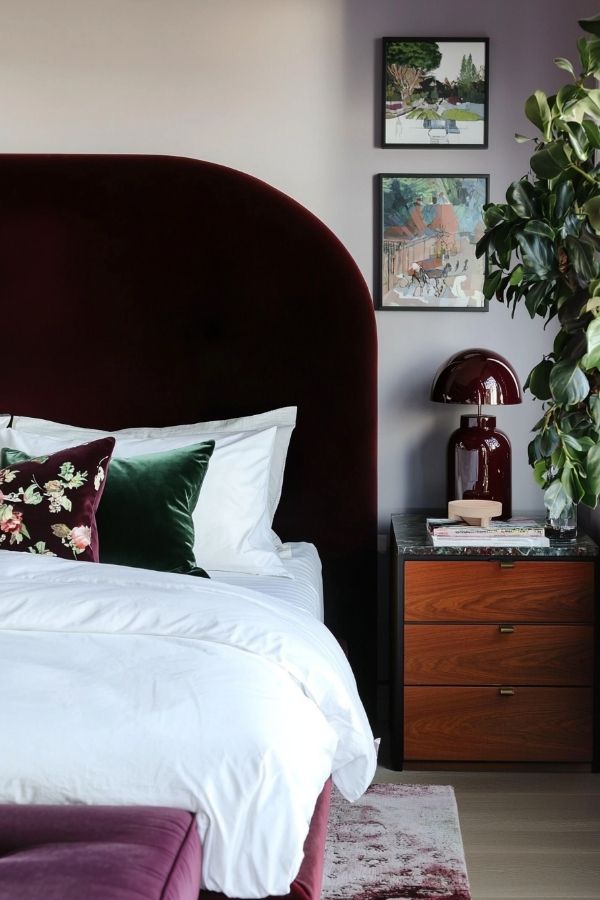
[399,841]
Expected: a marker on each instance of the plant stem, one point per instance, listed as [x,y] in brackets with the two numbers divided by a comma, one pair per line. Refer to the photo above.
[585,174]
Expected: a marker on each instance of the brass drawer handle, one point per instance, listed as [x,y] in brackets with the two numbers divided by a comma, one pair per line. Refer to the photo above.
[504,564]
[506,629]
[506,692]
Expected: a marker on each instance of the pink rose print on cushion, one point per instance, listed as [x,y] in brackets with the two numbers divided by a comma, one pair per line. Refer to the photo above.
[81,537]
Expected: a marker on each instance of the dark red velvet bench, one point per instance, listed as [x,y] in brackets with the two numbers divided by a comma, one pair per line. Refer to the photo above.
[124,853]
[98,853]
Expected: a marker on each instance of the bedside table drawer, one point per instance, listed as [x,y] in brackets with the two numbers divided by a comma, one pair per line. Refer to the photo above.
[498,654]
[489,591]
[541,724]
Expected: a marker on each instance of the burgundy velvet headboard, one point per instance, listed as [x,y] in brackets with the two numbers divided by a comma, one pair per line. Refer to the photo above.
[159,290]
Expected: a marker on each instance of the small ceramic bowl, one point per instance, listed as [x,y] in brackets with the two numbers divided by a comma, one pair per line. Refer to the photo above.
[475,512]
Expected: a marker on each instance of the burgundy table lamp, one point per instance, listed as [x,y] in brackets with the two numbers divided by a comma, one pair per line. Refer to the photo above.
[479,464]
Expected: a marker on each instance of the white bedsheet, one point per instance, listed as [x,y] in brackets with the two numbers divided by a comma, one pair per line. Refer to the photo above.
[123,686]
[303,590]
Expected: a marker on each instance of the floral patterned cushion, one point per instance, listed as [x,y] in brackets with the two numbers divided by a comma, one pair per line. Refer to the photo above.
[48,504]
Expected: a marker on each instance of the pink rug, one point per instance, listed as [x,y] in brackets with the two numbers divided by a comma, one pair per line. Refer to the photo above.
[398,841]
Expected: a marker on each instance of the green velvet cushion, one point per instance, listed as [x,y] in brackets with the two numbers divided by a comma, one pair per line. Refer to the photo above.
[145,516]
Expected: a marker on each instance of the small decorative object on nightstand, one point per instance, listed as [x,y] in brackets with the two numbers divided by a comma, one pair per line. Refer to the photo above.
[475,512]
[493,651]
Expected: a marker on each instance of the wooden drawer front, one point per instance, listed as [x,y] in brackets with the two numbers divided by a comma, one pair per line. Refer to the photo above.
[485,591]
[482,654]
[537,724]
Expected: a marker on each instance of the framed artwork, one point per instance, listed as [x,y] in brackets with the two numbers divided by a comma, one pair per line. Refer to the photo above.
[435,92]
[429,225]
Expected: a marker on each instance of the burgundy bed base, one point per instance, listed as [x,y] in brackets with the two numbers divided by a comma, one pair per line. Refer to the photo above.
[146,290]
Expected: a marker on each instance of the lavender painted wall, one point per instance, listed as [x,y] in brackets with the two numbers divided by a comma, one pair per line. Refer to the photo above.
[288,91]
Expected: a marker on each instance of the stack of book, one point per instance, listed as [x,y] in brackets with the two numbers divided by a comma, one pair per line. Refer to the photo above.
[514,532]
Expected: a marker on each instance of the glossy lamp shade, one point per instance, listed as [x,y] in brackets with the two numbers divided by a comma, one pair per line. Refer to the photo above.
[479,454]
[476,376]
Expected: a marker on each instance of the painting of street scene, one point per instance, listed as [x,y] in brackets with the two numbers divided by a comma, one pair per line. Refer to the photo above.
[430,225]
[435,92]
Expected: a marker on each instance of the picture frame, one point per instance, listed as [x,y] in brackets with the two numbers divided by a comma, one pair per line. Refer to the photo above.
[435,92]
[428,228]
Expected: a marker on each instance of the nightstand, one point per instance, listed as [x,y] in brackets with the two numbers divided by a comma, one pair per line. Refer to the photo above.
[494,654]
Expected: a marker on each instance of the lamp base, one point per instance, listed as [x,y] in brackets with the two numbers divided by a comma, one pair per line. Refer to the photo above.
[479,463]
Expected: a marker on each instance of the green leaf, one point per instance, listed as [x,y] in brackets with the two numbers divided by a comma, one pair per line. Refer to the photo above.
[594,406]
[591,25]
[568,383]
[592,66]
[539,472]
[556,499]
[549,441]
[565,196]
[570,311]
[592,209]
[587,443]
[537,254]
[535,226]
[577,137]
[521,198]
[590,103]
[483,243]
[494,214]
[491,283]
[539,380]
[563,63]
[550,161]
[591,360]
[521,138]
[593,336]
[538,111]
[572,442]
[581,258]
[516,276]
[575,347]
[583,46]
[593,132]
[567,98]
[571,482]
[593,471]
[535,296]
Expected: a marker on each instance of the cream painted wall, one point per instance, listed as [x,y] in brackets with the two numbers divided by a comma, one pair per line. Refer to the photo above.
[287,90]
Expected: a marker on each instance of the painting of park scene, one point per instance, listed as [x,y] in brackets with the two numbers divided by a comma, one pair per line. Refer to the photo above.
[429,227]
[435,92]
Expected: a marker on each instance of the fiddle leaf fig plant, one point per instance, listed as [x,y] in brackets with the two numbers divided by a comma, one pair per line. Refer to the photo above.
[543,247]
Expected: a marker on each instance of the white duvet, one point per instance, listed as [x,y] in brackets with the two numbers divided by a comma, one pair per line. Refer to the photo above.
[124,686]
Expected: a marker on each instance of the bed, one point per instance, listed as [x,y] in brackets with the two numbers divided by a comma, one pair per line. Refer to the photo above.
[151,292]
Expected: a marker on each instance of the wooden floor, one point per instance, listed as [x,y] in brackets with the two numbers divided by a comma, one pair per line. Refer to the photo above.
[527,836]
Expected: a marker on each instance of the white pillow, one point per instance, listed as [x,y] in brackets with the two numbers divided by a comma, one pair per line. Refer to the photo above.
[4,420]
[231,520]
[283,419]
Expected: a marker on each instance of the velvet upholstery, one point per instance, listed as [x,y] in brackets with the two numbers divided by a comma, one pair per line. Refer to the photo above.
[145,518]
[154,496]
[184,291]
[98,853]
[48,503]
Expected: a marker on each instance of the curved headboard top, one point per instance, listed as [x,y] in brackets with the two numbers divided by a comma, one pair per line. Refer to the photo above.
[155,290]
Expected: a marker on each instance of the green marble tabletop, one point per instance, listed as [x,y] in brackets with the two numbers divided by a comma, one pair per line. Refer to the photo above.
[410,534]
